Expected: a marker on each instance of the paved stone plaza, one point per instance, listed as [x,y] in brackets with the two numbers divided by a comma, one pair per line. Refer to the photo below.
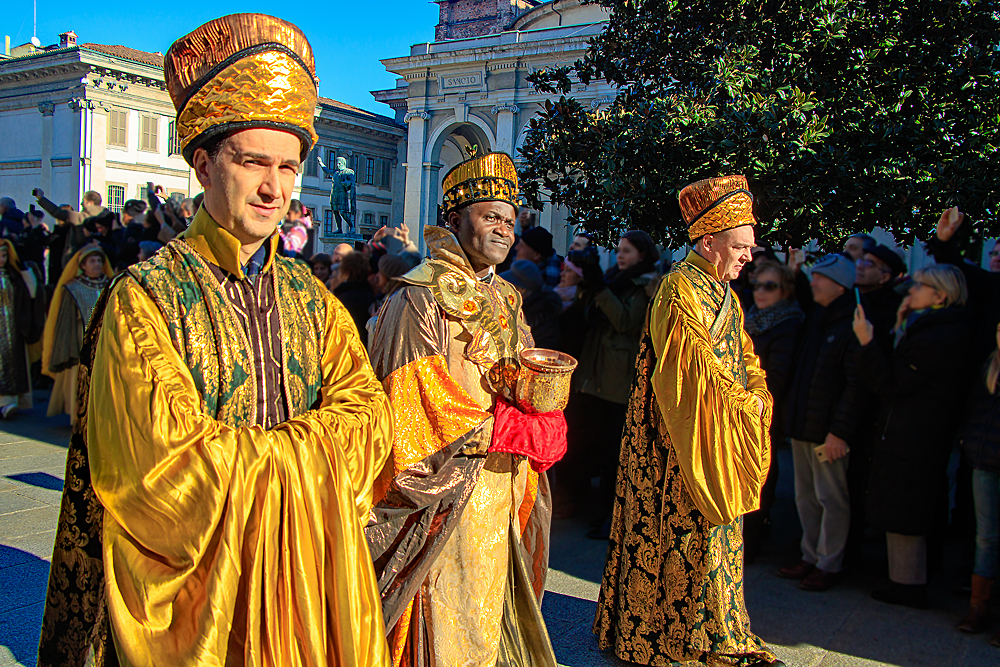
[840,628]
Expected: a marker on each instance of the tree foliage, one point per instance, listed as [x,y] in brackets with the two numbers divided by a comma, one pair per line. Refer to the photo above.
[842,114]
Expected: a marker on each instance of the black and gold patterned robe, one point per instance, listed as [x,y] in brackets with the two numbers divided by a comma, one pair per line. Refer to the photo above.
[694,456]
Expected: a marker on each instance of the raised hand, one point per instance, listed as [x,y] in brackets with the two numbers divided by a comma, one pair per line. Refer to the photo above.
[949,223]
[903,312]
[863,329]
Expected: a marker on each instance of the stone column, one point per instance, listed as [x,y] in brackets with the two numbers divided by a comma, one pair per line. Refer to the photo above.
[47,109]
[416,190]
[505,113]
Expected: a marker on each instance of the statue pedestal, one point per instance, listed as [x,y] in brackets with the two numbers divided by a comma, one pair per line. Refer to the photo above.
[328,242]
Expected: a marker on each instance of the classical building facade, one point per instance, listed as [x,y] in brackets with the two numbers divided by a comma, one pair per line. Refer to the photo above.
[78,117]
[455,94]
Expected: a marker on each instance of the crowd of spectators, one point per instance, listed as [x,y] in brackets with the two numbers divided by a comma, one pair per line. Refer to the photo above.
[879,378]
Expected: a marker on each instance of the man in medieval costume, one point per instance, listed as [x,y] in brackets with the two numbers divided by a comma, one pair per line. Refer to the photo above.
[220,476]
[22,317]
[85,275]
[694,456]
[459,531]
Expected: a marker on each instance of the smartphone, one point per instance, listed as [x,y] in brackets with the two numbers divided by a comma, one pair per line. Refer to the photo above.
[34,192]
[821,454]
[857,297]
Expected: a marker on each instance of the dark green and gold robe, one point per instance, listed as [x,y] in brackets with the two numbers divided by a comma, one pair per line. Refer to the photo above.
[694,456]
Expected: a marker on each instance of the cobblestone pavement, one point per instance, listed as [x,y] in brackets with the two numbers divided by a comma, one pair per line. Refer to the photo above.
[840,628]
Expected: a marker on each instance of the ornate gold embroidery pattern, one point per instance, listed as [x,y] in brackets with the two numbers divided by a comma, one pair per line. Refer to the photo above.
[673,583]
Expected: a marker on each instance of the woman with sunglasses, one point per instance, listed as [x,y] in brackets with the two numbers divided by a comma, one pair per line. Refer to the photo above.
[774,323]
[919,403]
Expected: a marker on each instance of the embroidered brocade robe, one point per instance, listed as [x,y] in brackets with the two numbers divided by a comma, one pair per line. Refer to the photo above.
[694,456]
[459,536]
[190,532]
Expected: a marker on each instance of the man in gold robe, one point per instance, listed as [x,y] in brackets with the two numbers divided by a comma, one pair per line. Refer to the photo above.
[220,477]
[459,531]
[695,455]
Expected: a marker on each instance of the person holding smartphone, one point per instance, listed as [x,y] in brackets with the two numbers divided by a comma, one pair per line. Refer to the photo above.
[825,404]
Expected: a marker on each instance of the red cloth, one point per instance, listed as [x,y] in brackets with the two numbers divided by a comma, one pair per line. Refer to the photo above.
[541,436]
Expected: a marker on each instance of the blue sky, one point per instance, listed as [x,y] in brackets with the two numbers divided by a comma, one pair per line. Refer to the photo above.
[349,38]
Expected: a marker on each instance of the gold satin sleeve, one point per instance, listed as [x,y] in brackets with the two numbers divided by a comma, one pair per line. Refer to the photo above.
[722,444]
[226,545]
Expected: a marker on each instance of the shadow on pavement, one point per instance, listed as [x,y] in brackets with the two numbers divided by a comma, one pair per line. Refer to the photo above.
[23,579]
[40,479]
[34,425]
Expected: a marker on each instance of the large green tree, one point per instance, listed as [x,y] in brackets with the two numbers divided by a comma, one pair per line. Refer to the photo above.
[842,114]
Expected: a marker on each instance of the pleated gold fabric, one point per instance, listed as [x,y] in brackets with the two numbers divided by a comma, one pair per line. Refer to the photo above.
[709,400]
[228,545]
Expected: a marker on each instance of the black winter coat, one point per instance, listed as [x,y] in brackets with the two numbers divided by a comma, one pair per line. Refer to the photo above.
[776,349]
[920,409]
[541,313]
[880,306]
[826,394]
[357,297]
[984,296]
[980,440]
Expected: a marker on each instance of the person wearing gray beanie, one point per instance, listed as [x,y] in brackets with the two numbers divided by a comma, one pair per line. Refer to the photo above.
[825,410]
[838,268]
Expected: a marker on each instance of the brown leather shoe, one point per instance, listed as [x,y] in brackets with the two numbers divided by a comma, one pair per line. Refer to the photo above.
[798,571]
[819,580]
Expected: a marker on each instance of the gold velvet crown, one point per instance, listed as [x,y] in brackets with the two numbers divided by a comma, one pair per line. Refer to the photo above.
[715,205]
[490,177]
[241,71]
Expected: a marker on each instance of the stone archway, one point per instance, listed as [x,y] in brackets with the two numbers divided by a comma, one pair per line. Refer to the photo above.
[450,145]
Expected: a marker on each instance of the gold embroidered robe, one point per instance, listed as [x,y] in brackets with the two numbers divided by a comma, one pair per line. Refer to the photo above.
[694,458]
[459,536]
[222,542]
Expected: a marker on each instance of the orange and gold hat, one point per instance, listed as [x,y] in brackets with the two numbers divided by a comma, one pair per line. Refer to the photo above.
[490,177]
[715,205]
[238,72]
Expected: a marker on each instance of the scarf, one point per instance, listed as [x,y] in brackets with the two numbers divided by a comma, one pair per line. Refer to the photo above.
[758,321]
[910,319]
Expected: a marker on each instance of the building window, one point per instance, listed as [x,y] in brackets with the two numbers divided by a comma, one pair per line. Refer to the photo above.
[311,163]
[117,127]
[327,222]
[385,174]
[116,198]
[369,171]
[368,221]
[383,221]
[331,162]
[148,126]
[355,162]
[173,143]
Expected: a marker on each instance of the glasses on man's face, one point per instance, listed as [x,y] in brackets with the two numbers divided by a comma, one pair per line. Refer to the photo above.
[767,286]
[869,264]
[994,253]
